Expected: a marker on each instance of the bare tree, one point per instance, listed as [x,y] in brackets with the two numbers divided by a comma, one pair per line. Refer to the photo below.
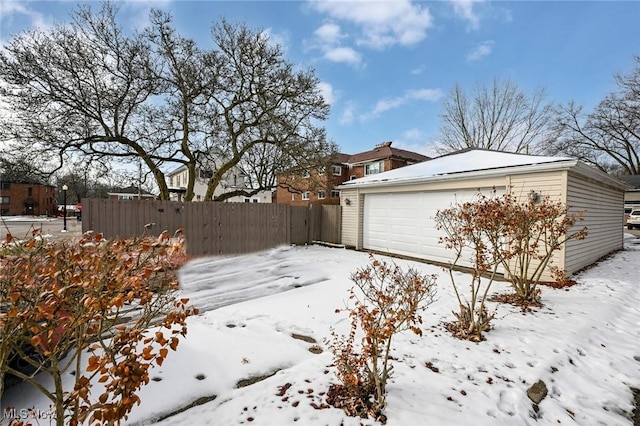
[263,112]
[609,136]
[20,170]
[178,119]
[90,90]
[498,116]
[82,88]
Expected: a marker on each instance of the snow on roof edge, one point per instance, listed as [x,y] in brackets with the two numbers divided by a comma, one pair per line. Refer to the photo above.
[458,164]
[479,173]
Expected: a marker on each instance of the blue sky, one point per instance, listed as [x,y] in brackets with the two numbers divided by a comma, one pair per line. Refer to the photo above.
[386,66]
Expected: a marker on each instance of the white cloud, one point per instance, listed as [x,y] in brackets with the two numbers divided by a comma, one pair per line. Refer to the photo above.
[464,10]
[383,105]
[413,134]
[383,23]
[137,11]
[424,94]
[280,39]
[329,33]
[416,140]
[417,71]
[482,50]
[328,39]
[329,95]
[9,8]
[419,147]
[342,54]
[348,114]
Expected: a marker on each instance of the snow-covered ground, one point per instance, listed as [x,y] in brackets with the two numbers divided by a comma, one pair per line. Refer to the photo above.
[584,344]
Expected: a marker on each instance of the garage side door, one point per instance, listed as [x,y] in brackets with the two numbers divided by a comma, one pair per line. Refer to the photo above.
[403,223]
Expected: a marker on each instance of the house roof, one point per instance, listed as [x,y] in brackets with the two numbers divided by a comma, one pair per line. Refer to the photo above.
[27,180]
[385,150]
[633,180]
[130,190]
[176,171]
[341,158]
[472,163]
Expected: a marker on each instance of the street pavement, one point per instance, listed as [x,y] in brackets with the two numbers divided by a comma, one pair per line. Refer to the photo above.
[52,228]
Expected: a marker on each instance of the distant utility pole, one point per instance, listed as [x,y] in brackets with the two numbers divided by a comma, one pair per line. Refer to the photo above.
[139,179]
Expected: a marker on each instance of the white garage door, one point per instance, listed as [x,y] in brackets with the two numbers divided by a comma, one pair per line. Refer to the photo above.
[403,223]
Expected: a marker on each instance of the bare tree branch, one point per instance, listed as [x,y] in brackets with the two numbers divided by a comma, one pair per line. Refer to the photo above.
[609,136]
[498,117]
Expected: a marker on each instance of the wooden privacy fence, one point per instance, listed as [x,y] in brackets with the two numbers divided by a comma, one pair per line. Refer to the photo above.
[213,228]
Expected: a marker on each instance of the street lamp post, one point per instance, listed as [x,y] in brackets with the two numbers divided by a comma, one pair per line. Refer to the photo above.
[64,208]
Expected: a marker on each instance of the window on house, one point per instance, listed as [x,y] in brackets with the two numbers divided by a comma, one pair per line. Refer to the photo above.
[255,200]
[4,200]
[293,197]
[321,194]
[337,170]
[373,168]
[322,171]
[305,195]
[29,192]
[352,177]
[305,174]
[125,197]
[5,185]
[335,193]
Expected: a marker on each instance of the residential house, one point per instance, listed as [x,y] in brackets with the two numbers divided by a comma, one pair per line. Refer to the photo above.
[316,186]
[382,158]
[177,181]
[27,197]
[130,193]
[393,211]
[345,167]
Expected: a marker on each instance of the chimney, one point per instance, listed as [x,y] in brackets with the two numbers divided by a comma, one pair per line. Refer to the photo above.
[384,144]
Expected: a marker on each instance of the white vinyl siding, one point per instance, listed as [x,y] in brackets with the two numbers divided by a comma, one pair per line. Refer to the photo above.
[351,217]
[549,184]
[603,219]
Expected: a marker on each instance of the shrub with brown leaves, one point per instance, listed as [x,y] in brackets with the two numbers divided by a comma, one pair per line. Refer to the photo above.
[490,232]
[63,300]
[388,302]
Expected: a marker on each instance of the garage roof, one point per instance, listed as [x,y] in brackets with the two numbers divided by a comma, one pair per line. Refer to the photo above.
[470,163]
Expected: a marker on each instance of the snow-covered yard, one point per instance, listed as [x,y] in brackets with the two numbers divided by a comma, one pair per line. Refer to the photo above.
[583,344]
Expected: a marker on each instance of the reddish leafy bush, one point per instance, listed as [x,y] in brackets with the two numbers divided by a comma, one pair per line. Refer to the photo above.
[63,300]
[388,302]
[473,231]
[520,237]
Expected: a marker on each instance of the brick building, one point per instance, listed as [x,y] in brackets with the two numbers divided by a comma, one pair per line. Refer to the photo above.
[320,189]
[27,197]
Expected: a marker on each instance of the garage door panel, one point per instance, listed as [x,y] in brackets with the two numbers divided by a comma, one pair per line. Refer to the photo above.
[404,224]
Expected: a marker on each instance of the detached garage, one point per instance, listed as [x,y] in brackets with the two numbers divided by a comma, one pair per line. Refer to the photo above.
[393,212]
